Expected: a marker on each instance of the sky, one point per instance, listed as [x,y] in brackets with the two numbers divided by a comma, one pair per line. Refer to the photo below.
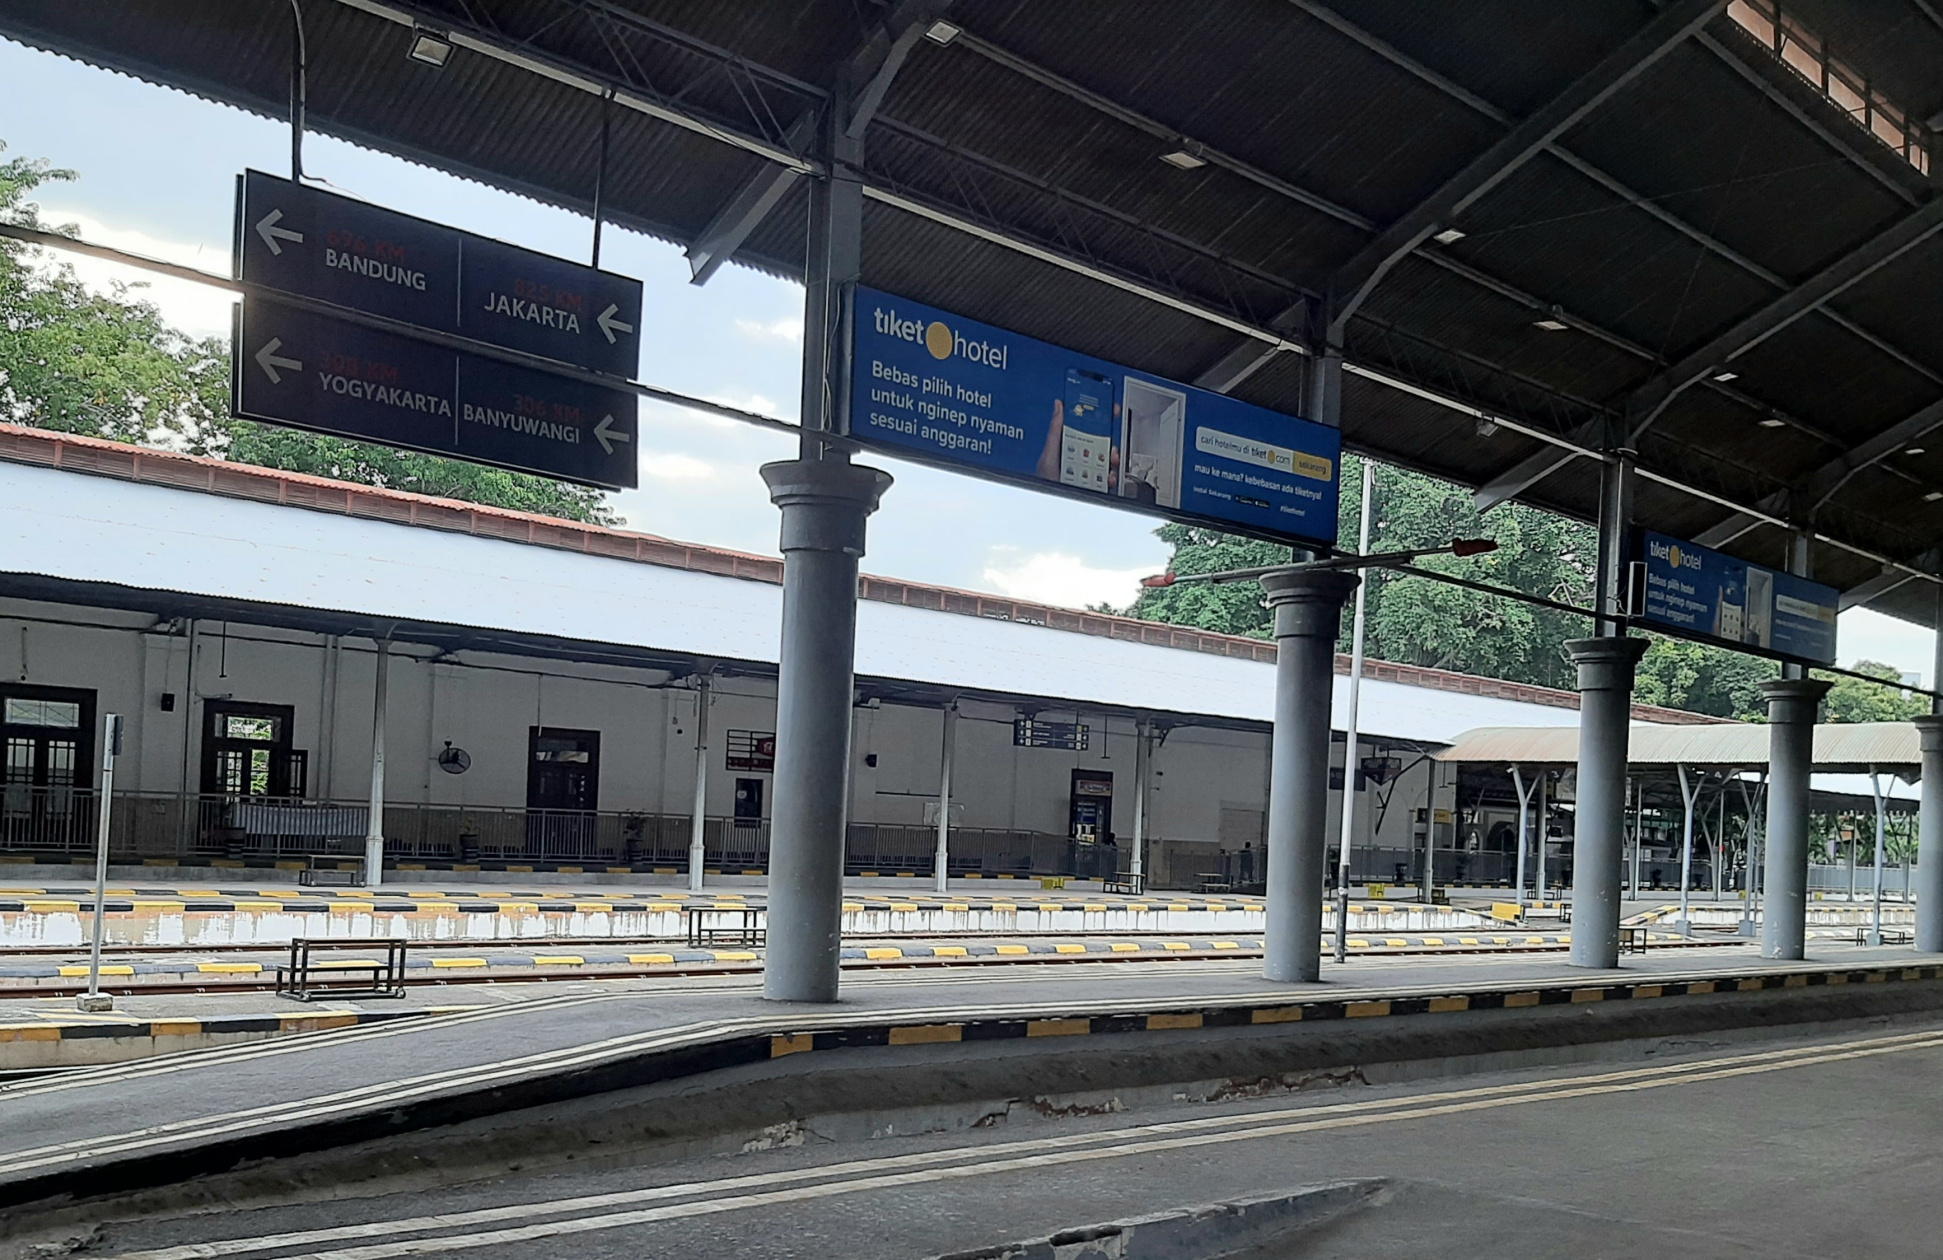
[157,177]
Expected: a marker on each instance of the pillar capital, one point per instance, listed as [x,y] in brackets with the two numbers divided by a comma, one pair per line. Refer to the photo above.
[824,502]
[1794,699]
[1929,729]
[1308,602]
[1606,663]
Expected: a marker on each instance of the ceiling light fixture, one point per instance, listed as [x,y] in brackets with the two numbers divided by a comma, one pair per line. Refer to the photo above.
[1933,496]
[429,49]
[1486,427]
[942,32]
[1914,450]
[1724,377]
[1772,422]
[1184,160]
[1550,325]
[1449,236]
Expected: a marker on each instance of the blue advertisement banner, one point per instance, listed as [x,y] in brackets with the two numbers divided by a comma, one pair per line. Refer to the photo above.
[960,392]
[1705,594]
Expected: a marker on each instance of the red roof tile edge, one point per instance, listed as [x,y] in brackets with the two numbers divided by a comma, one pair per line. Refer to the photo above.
[99,457]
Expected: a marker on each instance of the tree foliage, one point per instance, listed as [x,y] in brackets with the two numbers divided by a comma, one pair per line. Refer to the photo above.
[1853,700]
[109,366]
[1417,622]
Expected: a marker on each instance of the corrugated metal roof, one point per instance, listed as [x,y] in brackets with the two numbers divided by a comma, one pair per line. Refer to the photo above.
[1727,140]
[1849,747]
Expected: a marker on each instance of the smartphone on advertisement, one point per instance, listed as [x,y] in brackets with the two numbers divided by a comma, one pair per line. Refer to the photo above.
[1086,448]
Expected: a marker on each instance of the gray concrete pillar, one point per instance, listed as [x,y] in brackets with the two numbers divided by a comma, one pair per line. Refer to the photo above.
[1792,706]
[1929,842]
[1599,813]
[1308,615]
[824,504]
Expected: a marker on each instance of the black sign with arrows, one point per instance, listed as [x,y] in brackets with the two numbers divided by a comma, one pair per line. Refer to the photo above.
[309,371]
[320,245]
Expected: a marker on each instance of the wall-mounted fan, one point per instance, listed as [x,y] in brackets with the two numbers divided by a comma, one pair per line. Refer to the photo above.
[454,760]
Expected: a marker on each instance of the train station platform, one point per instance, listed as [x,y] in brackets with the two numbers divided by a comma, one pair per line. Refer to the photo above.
[706,1060]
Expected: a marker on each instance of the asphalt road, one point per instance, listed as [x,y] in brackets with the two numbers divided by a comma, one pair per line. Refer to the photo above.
[1801,1148]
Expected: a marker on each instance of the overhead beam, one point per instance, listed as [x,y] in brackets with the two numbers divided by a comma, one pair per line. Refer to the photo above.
[746,210]
[1534,468]
[1356,279]
[1821,485]
[1875,588]
[1644,405]
[867,77]
[1250,356]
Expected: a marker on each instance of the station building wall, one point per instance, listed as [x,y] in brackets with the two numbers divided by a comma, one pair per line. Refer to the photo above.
[1208,787]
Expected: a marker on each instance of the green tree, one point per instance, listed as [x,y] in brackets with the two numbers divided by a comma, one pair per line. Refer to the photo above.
[109,366]
[1853,700]
[1409,619]
[1702,678]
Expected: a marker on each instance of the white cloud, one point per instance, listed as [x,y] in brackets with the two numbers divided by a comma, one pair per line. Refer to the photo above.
[196,309]
[788,329]
[667,466]
[1064,581]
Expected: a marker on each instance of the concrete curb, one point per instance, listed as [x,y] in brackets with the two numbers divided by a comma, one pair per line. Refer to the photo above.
[91,1041]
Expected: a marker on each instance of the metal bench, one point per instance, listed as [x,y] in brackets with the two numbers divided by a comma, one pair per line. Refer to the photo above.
[1126,882]
[314,875]
[1890,936]
[1632,940]
[344,967]
[723,925]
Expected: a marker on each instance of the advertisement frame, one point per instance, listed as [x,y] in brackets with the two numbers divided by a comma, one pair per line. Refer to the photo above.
[843,406]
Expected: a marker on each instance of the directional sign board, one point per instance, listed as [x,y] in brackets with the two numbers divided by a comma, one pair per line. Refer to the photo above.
[315,244]
[309,371]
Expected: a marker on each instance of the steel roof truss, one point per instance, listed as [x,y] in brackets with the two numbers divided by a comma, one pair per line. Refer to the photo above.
[1355,279]
[1645,404]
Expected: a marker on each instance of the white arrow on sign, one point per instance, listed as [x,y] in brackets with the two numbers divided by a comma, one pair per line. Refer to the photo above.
[267,228]
[267,359]
[609,435]
[608,323]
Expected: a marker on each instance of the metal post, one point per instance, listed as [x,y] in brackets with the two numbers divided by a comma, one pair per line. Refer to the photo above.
[1308,615]
[824,504]
[698,828]
[1720,840]
[1524,829]
[1792,705]
[374,826]
[94,999]
[1749,848]
[1540,835]
[1686,846]
[298,90]
[1929,840]
[600,173]
[1882,852]
[1606,668]
[942,862]
[1352,754]
[1633,790]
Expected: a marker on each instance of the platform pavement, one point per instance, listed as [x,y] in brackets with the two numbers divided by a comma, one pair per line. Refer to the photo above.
[159,1107]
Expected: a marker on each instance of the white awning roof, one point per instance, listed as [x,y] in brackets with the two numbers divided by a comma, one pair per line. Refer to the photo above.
[74,527]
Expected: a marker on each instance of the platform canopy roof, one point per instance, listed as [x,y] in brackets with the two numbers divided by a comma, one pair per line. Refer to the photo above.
[1706,231]
[1849,748]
